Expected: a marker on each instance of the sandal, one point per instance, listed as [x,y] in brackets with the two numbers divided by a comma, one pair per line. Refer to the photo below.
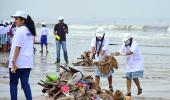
[128,94]
[139,91]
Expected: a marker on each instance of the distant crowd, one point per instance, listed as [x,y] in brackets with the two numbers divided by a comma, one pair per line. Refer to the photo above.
[7,29]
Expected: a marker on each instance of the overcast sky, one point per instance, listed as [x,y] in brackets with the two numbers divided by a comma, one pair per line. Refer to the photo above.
[84,10]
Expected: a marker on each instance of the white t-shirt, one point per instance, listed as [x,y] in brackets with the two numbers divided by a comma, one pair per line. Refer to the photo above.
[24,39]
[135,60]
[2,30]
[104,45]
[13,29]
[6,31]
[8,28]
[44,31]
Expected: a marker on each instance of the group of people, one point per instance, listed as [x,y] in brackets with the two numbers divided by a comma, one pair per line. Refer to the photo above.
[130,49]
[7,29]
[21,54]
[60,31]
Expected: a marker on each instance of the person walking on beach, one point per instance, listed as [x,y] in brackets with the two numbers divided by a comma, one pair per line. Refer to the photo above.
[2,36]
[21,54]
[134,59]
[44,32]
[60,31]
[99,50]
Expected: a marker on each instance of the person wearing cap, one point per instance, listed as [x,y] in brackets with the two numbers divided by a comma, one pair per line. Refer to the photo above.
[12,28]
[21,54]
[2,36]
[60,31]
[99,50]
[9,34]
[44,32]
[134,60]
[6,27]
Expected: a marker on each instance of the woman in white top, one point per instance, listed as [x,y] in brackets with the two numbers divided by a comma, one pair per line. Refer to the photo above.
[134,60]
[99,50]
[21,54]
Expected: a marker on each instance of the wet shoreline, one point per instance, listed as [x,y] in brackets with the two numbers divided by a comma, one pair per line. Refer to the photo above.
[45,64]
[155,82]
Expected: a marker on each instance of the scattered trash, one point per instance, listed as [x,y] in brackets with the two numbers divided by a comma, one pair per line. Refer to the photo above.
[84,60]
[71,84]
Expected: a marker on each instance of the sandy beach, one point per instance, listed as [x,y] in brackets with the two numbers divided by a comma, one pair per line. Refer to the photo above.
[155,83]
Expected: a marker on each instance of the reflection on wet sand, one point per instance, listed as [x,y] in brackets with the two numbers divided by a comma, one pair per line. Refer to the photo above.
[43,63]
[4,57]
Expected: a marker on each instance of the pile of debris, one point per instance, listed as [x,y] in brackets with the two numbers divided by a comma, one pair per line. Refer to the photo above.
[73,85]
[84,60]
[108,62]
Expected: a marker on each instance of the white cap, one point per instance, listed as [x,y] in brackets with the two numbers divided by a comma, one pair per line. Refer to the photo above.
[60,18]
[20,14]
[4,22]
[100,32]
[43,23]
[126,36]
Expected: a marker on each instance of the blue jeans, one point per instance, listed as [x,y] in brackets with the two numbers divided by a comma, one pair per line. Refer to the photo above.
[58,48]
[23,75]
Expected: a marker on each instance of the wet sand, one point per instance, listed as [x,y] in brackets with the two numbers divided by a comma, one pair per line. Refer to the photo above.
[155,86]
[155,83]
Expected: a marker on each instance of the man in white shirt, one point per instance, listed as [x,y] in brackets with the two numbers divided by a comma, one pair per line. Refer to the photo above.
[134,60]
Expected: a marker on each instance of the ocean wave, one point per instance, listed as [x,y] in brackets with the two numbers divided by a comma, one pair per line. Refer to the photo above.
[154,28]
[107,27]
[154,54]
[144,45]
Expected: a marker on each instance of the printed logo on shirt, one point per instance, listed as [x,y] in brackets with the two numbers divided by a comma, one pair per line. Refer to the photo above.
[29,34]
